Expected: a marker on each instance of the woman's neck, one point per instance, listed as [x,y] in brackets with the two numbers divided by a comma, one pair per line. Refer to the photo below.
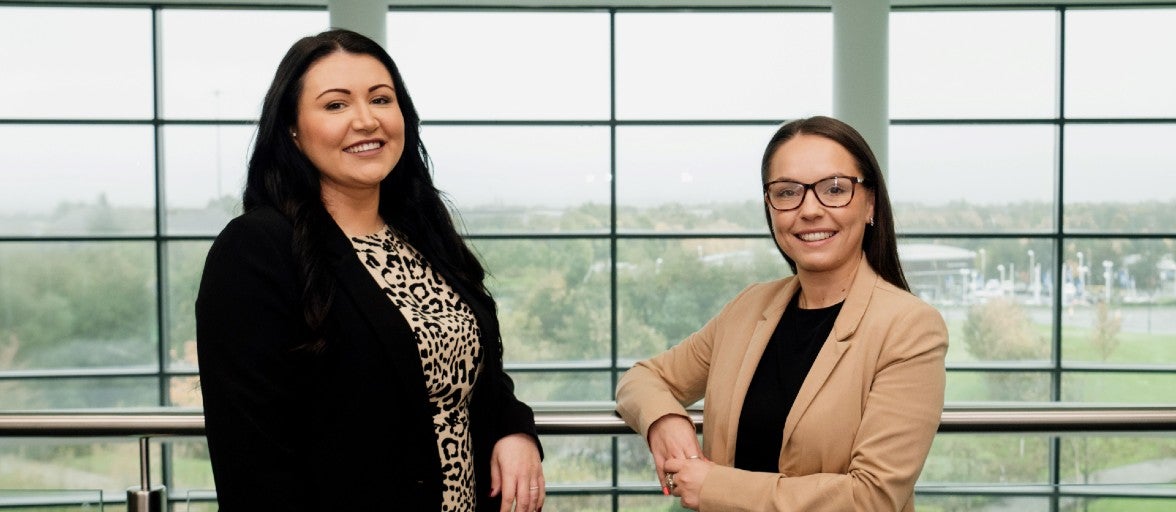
[356,216]
[823,289]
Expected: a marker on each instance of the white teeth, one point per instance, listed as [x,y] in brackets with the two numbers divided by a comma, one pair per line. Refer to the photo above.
[367,146]
[814,237]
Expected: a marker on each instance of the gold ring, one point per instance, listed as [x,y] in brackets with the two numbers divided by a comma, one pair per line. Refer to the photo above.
[692,457]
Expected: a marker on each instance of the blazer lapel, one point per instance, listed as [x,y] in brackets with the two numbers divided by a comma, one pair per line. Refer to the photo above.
[752,352]
[835,345]
[393,331]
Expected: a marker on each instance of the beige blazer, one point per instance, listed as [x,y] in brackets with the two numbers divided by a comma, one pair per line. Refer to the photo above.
[860,429]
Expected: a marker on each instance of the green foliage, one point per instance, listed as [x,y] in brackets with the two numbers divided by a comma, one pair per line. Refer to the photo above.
[999,330]
[1106,330]
[77,304]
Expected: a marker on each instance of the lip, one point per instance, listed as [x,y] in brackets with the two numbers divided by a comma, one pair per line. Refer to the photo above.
[354,149]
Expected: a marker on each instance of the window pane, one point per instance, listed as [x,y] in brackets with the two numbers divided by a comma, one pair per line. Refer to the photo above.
[191,469]
[103,185]
[987,459]
[577,460]
[225,76]
[997,386]
[980,286]
[75,63]
[669,288]
[517,65]
[557,386]
[690,178]
[1121,388]
[652,502]
[973,64]
[955,498]
[63,500]
[1120,297]
[1116,460]
[66,305]
[1120,178]
[80,393]
[1114,63]
[972,178]
[79,465]
[185,264]
[204,176]
[552,297]
[524,179]
[707,65]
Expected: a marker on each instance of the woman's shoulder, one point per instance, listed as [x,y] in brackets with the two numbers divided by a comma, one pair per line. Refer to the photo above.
[262,221]
[261,229]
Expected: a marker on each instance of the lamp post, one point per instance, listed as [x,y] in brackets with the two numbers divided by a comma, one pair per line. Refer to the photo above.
[1107,265]
[1034,278]
[965,284]
[1080,286]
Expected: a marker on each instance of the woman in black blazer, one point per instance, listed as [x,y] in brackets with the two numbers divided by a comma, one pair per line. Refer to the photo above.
[350,356]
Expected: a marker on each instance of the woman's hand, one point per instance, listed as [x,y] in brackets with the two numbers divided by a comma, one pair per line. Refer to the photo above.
[672,437]
[687,475]
[517,473]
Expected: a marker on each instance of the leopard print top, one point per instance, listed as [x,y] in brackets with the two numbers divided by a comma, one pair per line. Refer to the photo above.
[447,339]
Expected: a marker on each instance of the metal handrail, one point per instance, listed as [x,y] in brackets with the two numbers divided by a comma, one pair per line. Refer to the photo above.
[594,418]
[601,420]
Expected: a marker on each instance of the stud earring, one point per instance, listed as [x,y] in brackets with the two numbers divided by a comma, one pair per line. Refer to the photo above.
[871,221]
[294,134]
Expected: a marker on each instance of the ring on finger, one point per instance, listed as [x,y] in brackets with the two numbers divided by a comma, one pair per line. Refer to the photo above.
[670,481]
[692,457]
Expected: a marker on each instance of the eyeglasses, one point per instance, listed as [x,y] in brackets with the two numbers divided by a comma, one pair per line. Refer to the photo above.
[833,192]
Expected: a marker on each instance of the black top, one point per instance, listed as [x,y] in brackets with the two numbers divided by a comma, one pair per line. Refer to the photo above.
[782,368]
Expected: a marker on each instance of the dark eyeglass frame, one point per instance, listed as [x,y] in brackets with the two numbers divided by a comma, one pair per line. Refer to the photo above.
[853,182]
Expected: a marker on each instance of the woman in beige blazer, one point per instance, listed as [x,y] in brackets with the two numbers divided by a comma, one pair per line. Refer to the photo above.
[823,391]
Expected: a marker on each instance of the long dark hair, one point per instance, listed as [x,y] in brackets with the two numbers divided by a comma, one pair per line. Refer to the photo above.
[880,242]
[280,176]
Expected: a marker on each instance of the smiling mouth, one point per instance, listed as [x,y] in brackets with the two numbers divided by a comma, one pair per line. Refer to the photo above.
[815,237]
[366,146]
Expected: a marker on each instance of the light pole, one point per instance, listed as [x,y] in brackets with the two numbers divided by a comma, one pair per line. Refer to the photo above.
[1107,264]
[965,284]
[1034,278]
[1080,286]
[983,265]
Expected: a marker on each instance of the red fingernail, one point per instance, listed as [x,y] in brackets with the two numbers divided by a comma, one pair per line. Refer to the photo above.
[665,490]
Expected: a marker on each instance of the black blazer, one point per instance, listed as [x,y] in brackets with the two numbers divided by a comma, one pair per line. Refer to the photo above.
[343,428]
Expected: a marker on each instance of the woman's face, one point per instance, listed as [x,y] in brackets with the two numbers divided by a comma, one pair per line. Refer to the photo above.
[818,238]
[349,123]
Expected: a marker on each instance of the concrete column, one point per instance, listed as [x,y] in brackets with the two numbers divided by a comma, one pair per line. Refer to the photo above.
[861,31]
[368,17]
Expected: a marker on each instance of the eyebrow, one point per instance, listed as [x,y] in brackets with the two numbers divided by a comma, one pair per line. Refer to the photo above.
[348,92]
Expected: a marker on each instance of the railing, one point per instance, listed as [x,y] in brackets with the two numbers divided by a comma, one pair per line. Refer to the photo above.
[601,420]
[591,419]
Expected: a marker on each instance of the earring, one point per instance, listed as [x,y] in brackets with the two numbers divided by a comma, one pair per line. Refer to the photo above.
[294,134]
[871,221]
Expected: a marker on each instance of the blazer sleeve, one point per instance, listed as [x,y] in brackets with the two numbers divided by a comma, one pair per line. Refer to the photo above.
[512,416]
[670,381]
[248,322]
[900,415]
